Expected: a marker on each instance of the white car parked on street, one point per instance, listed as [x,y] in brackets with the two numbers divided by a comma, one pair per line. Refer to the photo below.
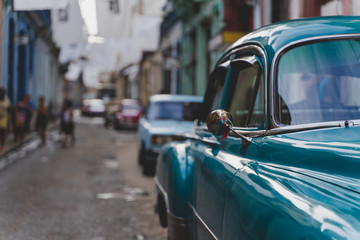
[165,119]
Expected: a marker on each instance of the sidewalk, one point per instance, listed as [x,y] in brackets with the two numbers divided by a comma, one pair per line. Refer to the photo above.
[11,145]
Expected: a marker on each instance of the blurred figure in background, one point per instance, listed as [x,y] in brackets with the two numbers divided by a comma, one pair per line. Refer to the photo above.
[20,112]
[41,120]
[4,113]
[29,113]
[67,124]
[62,120]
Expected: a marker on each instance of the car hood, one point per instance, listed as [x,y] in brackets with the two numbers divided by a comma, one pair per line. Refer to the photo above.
[169,127]
[332,154]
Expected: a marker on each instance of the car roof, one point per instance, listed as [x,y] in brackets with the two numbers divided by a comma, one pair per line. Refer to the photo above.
[93,100]
[175,98]
[128,101]
[275,36]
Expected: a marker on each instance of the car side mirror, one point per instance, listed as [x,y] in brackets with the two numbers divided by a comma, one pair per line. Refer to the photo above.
[219,122]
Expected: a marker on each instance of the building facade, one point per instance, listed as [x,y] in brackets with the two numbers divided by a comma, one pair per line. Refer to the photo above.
[149,78]
[208,27]
[170,37]
[29,57]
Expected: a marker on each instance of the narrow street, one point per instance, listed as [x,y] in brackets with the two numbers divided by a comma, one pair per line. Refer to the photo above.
[92,190]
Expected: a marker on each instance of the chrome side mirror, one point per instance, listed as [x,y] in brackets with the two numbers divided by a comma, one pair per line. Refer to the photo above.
[219,122]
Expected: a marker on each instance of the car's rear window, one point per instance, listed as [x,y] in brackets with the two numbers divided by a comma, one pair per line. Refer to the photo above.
[319,82]
[167,110]
[95,102]
[131,107]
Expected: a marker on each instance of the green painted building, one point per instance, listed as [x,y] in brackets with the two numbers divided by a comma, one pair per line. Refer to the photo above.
[209,27]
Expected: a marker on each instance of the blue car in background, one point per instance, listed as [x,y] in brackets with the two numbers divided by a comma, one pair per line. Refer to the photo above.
[166,119]
[275,153]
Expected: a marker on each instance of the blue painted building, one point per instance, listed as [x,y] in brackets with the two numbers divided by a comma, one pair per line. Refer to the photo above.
[29,56]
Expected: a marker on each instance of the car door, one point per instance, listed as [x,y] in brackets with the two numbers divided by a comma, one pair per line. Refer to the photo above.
[216,159]
[214,99]
[246,105]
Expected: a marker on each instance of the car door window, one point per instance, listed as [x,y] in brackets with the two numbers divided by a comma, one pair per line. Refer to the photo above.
[218,89]
[214,94]
[315,85]
[246,98]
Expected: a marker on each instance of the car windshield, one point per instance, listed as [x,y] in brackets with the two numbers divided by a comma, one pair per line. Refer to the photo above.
[319,82]
[131,107]
[183,111]
[96,102]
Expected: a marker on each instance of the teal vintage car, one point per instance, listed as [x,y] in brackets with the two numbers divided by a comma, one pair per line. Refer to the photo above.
[276,151]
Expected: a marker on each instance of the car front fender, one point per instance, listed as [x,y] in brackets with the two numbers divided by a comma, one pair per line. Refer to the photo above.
[173,176]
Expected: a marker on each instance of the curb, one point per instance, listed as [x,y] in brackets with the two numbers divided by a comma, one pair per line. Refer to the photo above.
[30,136]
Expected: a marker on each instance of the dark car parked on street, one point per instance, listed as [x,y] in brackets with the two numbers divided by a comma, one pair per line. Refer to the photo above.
[275,153]
[128,115]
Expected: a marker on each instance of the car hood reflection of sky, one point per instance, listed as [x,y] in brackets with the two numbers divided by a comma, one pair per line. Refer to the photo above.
[332,154]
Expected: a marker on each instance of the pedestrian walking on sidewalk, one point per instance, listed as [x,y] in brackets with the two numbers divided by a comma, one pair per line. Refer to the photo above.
[21,109]
[29,113]
[67,126]
[4,113]
[41,119]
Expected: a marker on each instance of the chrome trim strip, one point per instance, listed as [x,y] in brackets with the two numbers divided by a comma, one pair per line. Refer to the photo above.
[202,223]
[276,58]
[179,223]
[163,194]
[297,128]
[310,126]
[252,134]
[176,228]
[176,225]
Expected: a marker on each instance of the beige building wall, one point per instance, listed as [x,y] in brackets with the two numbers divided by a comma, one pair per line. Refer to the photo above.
[150,77]
[121,87]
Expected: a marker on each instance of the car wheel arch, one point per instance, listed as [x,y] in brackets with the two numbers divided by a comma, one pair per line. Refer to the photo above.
[173,177]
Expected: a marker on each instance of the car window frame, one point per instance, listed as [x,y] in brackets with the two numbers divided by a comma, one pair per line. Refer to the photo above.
[222,71]
[239,64]
[235,53]
[276,127]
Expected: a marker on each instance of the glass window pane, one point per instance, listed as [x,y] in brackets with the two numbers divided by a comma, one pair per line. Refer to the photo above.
[318,82]
[214,92]
[257,117]
[182,111]
[218,90]
[246,96]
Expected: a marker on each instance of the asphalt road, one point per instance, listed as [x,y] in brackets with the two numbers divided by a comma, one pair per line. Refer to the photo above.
[93,190]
